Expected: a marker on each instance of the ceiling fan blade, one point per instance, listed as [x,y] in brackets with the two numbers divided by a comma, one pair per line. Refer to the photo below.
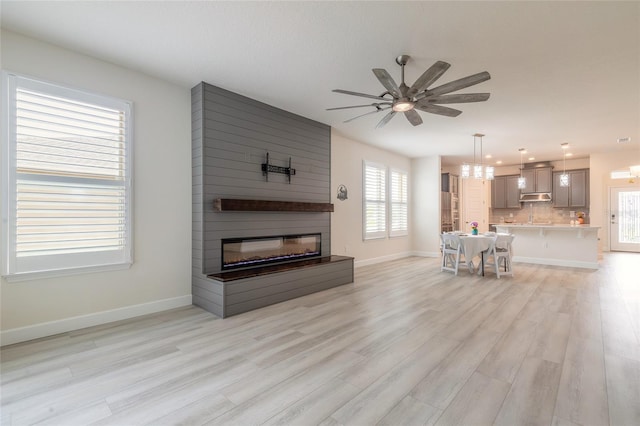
[413,117]
[385,119]
[457,84]
[437,109]
[460,98]
[360,106]
[387,81]
[428,77]
[367,113]
[364,95]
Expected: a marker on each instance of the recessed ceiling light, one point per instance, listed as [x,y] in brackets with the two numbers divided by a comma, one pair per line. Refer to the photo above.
[499,162]
[624,140]
[532,158]
[568,154]
[564,145]
[487,156]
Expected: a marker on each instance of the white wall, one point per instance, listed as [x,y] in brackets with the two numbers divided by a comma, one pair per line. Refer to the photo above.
[160,278]
[425,193]
[346,221]
[600,182]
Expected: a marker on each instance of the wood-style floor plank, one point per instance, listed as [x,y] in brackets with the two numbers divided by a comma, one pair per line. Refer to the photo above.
[582,395]
[404,344]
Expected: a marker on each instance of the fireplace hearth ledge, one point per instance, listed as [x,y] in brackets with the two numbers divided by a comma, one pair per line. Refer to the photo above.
[272,269]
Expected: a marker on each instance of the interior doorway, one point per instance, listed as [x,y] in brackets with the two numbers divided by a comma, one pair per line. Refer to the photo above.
[474,205]
[624,220]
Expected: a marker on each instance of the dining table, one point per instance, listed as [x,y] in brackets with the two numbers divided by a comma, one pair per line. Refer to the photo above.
[475,246]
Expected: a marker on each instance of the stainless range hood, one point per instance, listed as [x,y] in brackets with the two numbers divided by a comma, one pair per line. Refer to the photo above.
[535,197]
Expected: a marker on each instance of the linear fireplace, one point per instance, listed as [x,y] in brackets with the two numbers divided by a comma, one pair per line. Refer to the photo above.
[258,251]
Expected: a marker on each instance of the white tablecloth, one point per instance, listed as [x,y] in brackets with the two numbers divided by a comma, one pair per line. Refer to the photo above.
[474,245]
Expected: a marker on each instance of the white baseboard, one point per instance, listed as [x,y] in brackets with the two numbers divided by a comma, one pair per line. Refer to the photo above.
[426,253]
[22,334]
[387,258]
[557,262]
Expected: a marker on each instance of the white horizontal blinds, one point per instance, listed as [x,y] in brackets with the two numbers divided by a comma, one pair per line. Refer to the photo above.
[375,204]
[59,217]
[399,203]
[58,136]
[72,179]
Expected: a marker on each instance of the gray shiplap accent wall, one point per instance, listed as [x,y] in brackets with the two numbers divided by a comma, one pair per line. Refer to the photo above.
[232,135]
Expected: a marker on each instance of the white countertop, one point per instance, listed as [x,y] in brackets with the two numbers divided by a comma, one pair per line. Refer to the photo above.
[546,226]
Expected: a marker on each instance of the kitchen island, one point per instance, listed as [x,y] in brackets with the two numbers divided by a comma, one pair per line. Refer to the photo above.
[559,245]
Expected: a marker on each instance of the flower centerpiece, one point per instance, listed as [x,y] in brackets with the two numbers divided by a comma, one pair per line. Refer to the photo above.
[474,228]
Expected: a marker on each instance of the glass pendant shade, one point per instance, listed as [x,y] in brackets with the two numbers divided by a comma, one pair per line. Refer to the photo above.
[522,182]
[465,171]
[477,171]
[564,177]
[488,172]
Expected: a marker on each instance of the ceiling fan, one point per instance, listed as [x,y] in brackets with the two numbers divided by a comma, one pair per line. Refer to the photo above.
[407,99]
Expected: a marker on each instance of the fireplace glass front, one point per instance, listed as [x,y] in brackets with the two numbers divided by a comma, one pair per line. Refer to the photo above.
[252,252]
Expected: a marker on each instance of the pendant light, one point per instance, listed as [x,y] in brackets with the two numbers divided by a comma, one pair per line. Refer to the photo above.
[522,181]
[488,170]
[479,171]
[564,177]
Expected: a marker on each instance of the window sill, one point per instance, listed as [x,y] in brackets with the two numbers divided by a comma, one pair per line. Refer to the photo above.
[31,276]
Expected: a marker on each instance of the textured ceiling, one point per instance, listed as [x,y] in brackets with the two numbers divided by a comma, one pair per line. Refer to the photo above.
[561,71]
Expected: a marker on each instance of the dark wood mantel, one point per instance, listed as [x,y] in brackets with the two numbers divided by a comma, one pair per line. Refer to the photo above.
[228,204]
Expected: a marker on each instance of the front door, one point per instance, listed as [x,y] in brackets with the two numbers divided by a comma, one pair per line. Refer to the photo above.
[625,220]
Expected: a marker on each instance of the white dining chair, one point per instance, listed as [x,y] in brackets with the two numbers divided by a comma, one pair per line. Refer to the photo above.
[452,253]
[500,253]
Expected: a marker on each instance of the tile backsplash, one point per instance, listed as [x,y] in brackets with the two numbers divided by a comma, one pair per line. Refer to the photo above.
[542,212]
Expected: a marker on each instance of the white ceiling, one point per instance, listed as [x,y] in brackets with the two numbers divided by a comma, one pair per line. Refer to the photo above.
[561,71]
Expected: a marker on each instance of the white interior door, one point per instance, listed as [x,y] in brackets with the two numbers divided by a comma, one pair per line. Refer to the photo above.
[474,206]
[624,231]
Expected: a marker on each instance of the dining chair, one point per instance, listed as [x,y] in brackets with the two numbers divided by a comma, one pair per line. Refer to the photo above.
[500,252]
[452,252]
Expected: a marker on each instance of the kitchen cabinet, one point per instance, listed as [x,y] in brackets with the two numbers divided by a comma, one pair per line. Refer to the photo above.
[574,195]
[449,183]
[537,180]
[505,193]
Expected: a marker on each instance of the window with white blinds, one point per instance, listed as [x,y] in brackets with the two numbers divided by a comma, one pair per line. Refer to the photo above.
[67,202]
[375,201]
[399,203]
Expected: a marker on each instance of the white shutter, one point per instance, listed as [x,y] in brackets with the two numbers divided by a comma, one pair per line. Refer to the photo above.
[375,203]
[70,178]
[399,203]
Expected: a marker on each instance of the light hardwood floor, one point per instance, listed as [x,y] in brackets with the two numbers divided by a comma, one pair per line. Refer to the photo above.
[404,344]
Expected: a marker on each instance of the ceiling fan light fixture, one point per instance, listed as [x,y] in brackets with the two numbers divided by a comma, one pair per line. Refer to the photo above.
[420,96]
[403,106]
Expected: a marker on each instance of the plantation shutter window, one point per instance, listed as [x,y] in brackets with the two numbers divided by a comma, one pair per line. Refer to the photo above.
[68,196]
[375,202]
[399,203]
